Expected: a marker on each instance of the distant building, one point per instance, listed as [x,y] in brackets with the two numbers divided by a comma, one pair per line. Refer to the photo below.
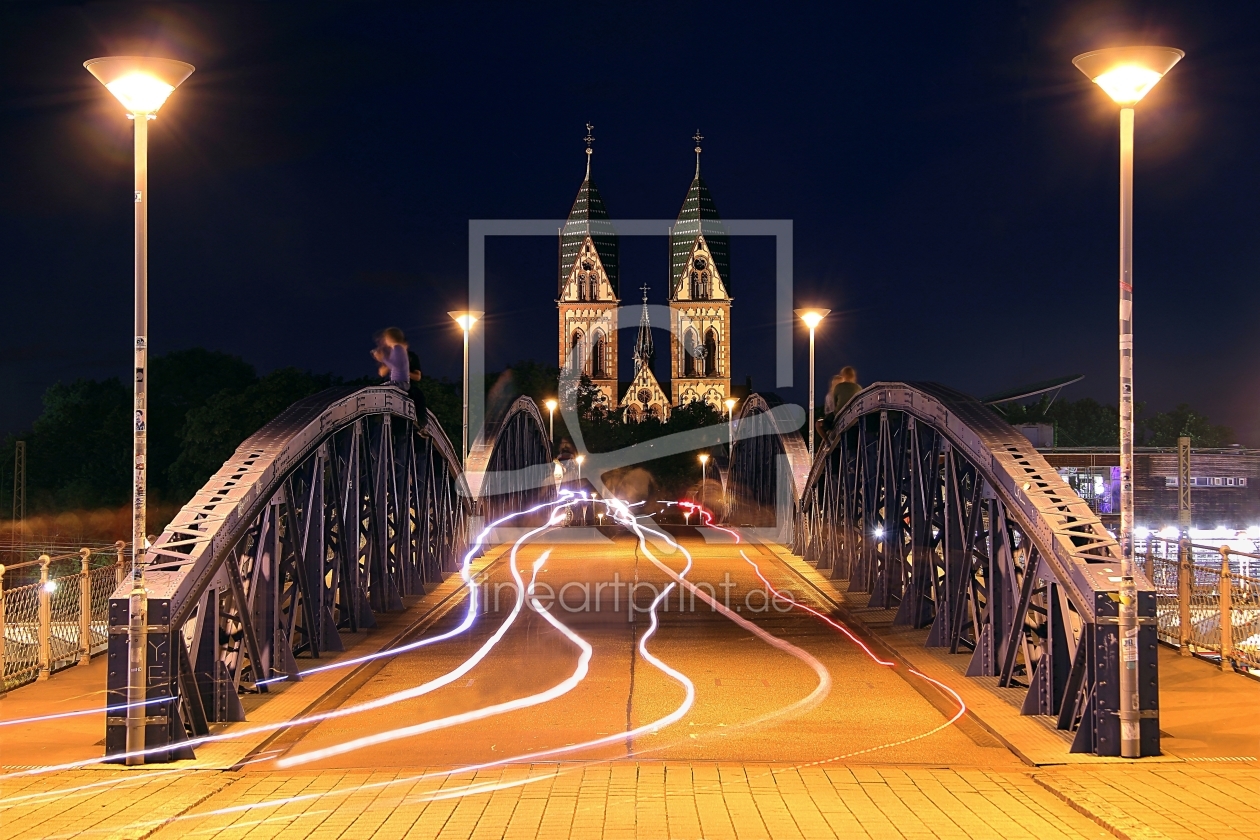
[588,299]
[1224,484]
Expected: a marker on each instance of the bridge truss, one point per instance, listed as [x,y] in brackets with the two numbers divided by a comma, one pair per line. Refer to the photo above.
[334,512]
[929,502]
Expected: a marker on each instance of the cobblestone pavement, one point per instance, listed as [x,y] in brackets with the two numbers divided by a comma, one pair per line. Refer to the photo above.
[651,800]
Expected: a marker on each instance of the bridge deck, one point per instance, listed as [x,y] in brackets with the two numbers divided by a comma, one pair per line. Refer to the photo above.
[728,768]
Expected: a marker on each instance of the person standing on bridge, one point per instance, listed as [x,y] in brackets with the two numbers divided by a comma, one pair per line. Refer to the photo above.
[391,353]
[844,386]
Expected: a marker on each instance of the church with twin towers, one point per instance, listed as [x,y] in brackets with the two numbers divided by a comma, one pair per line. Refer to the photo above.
[589,295]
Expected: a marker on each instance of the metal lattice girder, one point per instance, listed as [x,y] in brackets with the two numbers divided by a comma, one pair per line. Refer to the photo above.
[337,509]
[930,502]
[509,464]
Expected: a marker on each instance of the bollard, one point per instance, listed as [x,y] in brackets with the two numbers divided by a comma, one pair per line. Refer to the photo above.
[45,620]
[2,652]
[1227,611]
[118,569]
[85,609]
[1185,591]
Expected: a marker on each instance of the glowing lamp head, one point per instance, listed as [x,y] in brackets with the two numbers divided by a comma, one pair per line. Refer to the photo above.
[466,318]
[580,459]
[812,317]
[730,404]
[140,83]
[551,404]
[704,458]
[1128,73]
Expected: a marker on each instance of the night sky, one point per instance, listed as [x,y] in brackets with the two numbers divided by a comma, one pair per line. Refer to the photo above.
[952,179]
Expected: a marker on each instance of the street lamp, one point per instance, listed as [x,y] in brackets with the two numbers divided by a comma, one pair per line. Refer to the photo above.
[812,318]
[551,419]
[704,474]
[1127,74]
[141,84]
[730,420]
[466,319]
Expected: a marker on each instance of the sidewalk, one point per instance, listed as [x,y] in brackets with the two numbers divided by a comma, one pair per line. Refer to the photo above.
[649,800]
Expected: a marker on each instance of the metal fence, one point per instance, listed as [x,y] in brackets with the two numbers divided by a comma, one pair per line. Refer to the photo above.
[59,619]
[1205,602]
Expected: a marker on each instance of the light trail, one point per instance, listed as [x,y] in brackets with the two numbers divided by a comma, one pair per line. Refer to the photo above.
[558,690]
[962,706]
[820,692]
[465,573]
[389,699]
[80,712]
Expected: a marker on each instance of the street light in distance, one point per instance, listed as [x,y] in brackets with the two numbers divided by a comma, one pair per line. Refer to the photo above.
[812,318]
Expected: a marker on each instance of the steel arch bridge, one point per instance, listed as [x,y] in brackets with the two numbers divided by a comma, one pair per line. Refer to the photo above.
[330,514]
[930,502]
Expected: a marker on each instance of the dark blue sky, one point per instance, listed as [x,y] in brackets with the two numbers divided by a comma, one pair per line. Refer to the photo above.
[951,177]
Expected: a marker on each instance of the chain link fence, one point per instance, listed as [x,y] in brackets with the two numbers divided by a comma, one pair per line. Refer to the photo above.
[1207,602]
[54,611]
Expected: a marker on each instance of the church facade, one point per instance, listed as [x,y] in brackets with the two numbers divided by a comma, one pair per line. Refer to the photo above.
[698,293]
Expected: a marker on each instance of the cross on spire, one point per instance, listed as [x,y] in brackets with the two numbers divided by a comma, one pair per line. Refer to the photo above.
[697,137]
[644,289]
[590,138]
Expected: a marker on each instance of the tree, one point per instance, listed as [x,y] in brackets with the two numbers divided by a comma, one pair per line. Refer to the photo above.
[1086,422]
[213,431]
[78,453]
[180,382]
[1163,429]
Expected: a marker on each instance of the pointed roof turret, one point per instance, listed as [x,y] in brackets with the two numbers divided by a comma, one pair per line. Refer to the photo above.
[698,216]
[588,217]
[644,352]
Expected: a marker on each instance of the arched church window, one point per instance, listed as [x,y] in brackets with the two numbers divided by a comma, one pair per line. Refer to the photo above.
[598,351]
[577,362]
[632,414]
[691,351]
[710,353]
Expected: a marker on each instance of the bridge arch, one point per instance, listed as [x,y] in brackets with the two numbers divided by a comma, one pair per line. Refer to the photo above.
[933,505]
[330,514]
[769,463]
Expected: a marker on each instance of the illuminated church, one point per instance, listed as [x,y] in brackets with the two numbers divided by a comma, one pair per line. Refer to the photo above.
[589,297]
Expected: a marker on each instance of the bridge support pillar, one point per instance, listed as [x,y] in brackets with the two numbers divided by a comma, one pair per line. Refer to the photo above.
[163,724]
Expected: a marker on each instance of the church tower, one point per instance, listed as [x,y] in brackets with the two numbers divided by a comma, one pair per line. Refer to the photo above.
[587,296]
[644,398]
[699,299]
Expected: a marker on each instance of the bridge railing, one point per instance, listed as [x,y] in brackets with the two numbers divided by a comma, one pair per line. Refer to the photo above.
[1205,604]
[56,620]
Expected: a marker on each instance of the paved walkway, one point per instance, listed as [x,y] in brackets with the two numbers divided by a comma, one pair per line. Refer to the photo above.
[650,800]
[961,785]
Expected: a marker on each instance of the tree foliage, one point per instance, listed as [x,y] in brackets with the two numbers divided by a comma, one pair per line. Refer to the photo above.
[1087,422]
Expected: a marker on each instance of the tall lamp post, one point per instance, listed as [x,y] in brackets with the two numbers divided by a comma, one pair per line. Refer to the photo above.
[551,419]
[1127,74]
[141,84]
[466,319]
[812,318]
